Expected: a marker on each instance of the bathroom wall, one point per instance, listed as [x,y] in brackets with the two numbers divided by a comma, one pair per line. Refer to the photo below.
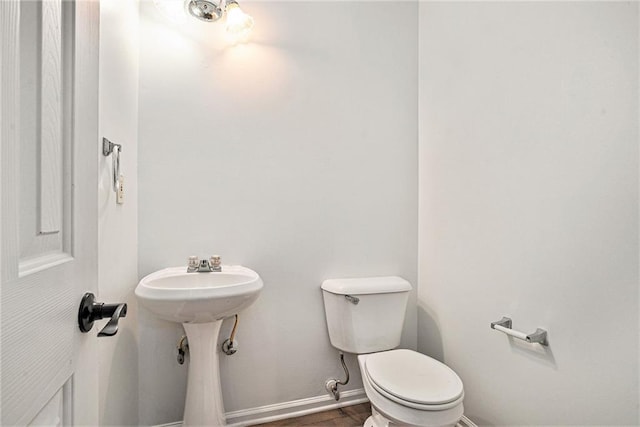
[294,155]
[529,206]
[118,248]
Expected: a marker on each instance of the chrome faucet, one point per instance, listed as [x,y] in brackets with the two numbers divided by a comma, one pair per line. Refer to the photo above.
[204,266]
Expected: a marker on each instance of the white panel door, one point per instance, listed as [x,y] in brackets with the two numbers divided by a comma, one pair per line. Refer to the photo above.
[49,135]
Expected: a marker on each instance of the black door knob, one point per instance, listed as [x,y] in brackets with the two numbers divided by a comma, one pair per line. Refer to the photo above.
[90,311]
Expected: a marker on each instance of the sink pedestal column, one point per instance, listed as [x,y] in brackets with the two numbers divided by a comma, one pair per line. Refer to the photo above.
[203,405]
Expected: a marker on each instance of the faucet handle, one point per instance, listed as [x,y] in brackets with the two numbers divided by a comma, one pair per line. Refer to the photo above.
[194,262]
[215,262]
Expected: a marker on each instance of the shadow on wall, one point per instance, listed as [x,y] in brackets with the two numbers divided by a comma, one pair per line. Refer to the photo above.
[534,352]
[163,382]
[121,405]
[429,338]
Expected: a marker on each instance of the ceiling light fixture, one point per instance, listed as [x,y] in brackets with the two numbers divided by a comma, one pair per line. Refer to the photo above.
[239,24]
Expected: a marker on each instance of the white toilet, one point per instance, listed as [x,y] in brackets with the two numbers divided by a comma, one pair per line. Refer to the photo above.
[405,388]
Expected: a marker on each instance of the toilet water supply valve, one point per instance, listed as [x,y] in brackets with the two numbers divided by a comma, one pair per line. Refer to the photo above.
[332,384]
[229,346]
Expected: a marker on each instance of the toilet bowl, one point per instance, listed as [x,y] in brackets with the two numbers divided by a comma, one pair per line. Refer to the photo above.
[405,388]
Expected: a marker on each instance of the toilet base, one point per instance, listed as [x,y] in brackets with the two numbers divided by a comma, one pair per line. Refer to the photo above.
[378,420]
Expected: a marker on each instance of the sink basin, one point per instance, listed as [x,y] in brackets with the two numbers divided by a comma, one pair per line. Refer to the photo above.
[175,295]
[200,301]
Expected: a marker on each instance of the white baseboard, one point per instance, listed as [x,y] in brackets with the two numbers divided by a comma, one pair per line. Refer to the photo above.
[295,408]
[298,408]
[466,422]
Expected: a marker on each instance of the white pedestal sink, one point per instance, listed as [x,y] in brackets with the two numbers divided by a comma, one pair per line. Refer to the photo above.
[200,301]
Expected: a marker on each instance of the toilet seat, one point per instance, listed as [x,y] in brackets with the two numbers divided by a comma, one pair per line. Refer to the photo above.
[414,380]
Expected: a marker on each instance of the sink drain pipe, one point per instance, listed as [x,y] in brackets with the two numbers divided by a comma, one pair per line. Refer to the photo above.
[230,346]
[332,384]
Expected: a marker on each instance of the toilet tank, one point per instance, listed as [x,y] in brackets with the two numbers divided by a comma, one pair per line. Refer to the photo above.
[365,315]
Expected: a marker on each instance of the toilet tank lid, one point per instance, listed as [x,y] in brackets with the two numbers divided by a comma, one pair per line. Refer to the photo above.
[366,285]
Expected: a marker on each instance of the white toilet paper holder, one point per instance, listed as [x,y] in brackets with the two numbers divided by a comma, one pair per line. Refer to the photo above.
[505,325]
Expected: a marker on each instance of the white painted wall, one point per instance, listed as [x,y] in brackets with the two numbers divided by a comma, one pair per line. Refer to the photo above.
[529,206]
[118,247]
[294,155]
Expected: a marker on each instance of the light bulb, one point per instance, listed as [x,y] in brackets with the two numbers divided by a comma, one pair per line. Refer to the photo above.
[239,24]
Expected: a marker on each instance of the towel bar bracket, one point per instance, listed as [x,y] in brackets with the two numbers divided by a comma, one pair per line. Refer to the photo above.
[108,146]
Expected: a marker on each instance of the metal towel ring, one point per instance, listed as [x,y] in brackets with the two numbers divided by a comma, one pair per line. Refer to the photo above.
[116,166]
[109,148]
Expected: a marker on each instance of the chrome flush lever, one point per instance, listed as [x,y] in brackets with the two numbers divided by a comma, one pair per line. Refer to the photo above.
[353,300]
[90,311]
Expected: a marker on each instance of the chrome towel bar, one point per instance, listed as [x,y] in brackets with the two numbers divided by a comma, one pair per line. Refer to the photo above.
[505,324]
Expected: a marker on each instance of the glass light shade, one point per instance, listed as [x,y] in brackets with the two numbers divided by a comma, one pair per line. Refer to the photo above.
[171,10]
[239,24]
